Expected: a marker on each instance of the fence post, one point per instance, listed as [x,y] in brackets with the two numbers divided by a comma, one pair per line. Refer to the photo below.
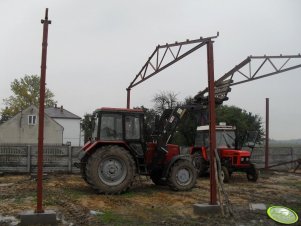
[69,159]
[292,155]
[28,158]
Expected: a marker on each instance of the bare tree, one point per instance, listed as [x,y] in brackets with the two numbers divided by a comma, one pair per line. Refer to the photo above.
[165,100]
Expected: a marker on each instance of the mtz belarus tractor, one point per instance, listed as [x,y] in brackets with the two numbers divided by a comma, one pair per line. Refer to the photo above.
[232,158]
[118,152]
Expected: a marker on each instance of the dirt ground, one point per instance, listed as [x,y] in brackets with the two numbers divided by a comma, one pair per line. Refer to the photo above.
[146,204]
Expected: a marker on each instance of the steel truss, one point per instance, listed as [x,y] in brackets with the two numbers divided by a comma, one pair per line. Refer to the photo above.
[237,75]
[175,52]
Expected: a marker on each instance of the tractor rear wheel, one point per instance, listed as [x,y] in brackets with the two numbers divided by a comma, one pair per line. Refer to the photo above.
[182,176]
[83,171]
[252,173]
[111,170]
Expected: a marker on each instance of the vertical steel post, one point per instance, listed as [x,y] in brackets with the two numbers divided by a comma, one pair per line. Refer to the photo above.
[45,23]
[212,123]
[128,101]
[267,130]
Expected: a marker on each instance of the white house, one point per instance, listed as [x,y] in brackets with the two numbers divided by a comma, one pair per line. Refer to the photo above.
[70,122]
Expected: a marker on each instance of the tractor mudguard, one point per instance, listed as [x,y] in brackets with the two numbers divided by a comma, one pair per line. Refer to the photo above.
[173,161]
[89,147]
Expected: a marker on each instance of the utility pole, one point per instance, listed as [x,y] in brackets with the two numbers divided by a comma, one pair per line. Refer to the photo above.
[267,130]
[212,123]
[39,216]
[45,23]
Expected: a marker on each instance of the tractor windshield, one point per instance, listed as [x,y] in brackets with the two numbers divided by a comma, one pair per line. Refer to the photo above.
[111,126]
[225,139]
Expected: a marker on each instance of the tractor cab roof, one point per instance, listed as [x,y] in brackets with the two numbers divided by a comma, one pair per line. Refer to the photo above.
[218,128]
[120,110]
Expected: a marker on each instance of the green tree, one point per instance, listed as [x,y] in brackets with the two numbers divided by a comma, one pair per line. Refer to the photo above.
[87,126]
[26,92]
[243,121]
[150,118]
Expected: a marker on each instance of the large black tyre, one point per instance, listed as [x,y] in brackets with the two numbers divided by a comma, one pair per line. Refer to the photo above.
[199,164]
[252,173]
[83,172]
[111,170]
[182,176]
[225,176]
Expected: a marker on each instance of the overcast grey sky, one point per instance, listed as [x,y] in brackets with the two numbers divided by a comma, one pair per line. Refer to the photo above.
[95,48]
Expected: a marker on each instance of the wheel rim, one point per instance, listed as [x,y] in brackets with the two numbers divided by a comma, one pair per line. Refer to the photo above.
[222,175]
[184,176]
[112,171]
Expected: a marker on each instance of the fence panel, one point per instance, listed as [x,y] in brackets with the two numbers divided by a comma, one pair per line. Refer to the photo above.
[23,158]
[277,155]
[57,158]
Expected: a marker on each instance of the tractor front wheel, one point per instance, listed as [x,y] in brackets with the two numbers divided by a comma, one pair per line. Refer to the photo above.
[110,170]
[252,173]
[199,164]
[182,176]
[225,176]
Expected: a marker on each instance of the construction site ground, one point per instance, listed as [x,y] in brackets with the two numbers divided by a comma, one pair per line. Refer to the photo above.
[76,203]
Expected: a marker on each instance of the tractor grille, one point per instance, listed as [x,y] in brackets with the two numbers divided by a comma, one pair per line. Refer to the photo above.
[245,160]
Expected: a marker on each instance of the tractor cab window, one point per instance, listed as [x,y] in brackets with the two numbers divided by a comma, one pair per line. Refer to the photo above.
[95,122]
[111,127]
[132,128]
[202,139]
[225,139]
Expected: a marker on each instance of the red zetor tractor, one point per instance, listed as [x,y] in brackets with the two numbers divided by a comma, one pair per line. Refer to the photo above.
[232,159]
[118,152]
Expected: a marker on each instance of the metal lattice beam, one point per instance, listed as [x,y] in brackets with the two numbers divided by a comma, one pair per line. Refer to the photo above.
[158,60]
[237,75]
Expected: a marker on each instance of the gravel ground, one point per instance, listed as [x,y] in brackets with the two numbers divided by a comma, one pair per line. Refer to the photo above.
[146,204]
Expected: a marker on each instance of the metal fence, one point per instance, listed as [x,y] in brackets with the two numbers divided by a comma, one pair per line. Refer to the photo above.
[277,155]
[23,158]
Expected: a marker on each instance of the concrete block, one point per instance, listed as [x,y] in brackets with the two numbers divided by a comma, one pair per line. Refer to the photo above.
[32,218]
[205,208]
[257,206]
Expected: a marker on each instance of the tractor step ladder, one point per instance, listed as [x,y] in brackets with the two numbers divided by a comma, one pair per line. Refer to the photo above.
[142,168]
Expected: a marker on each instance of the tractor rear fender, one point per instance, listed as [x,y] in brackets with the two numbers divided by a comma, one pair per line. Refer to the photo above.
[172,162]
[90,149]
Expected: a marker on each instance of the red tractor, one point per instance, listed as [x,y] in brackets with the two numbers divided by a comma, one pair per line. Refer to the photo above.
[232,158]
[118,152]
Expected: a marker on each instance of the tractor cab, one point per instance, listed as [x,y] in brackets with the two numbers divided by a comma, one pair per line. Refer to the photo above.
[225,136]
[118,125]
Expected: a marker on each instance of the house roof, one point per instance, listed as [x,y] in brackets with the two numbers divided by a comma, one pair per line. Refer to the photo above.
[60,112]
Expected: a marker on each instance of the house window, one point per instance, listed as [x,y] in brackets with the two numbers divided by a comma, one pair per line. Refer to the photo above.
[32,119]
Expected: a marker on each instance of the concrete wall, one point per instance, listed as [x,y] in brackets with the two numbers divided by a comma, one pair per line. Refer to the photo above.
[18,130]
[23,158]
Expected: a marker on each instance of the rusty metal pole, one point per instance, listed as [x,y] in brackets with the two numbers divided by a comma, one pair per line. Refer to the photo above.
[45,23]
[267,130]
[128,101]
[212,123]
